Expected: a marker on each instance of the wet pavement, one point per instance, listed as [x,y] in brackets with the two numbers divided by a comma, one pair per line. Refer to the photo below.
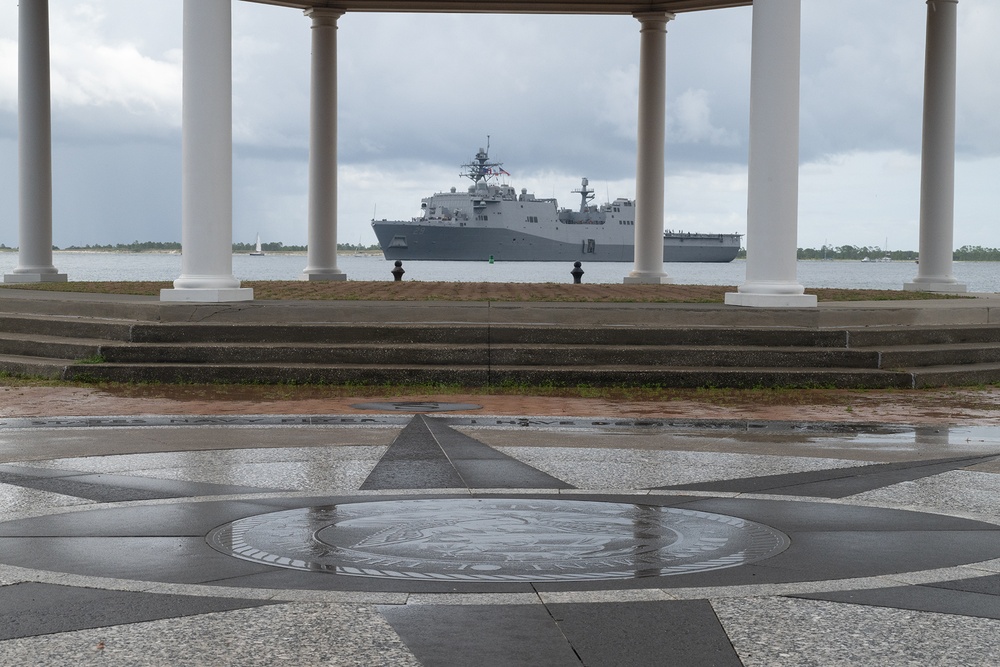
[498,530]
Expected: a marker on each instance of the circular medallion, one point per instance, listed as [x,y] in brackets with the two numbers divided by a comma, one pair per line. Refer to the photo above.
[499,540]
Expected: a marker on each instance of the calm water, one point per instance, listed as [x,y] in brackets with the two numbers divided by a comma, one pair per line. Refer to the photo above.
[979,276]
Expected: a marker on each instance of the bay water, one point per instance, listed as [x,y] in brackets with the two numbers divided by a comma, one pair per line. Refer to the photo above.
[87,266]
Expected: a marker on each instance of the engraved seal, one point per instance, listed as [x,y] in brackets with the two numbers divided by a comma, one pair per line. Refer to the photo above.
[501,540]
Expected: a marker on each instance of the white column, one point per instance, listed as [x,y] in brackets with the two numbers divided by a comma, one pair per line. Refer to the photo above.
[937,173]
[34,123]
[650,151]
[207,158]
[773,188]
[322,260]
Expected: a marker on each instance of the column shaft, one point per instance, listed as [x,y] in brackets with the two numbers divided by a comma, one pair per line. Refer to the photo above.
[207,158]
[34,122]
[649,191]
[322,260]
[937,172]
[773,188]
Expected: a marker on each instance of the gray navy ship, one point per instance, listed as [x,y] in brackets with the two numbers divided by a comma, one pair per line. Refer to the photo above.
[491,220]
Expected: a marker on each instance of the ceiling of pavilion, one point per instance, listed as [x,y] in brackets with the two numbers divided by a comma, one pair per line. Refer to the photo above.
[512,6]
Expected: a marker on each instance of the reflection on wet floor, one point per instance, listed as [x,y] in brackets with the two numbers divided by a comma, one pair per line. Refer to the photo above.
[533,532]
[883,444]
[498,540]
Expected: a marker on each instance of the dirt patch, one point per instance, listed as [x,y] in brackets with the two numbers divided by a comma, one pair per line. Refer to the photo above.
[980,406]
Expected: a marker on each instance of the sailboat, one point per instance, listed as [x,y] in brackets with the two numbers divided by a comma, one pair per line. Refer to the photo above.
[257,252]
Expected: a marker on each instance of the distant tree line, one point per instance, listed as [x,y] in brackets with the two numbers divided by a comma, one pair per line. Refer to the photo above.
[855,252]
[977,253]
[170,246]
[134,246]
[274,246]
[966,253]
[278,246]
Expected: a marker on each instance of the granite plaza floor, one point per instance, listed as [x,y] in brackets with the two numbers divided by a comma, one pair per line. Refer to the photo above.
[430,534]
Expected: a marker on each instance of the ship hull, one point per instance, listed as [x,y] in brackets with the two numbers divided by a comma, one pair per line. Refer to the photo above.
[410,241]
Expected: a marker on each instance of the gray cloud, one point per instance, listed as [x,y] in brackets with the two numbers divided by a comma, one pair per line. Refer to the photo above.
[419,93]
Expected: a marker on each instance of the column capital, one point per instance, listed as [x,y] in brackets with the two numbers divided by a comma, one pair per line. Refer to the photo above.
[661,16]
[324,15]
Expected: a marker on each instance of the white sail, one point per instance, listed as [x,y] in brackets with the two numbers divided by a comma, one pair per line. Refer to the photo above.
[258,252]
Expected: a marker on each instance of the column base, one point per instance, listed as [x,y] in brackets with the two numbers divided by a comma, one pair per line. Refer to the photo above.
[771,300]
[206,295]
[935,287]
[648,279]
[35,278]
[321,277]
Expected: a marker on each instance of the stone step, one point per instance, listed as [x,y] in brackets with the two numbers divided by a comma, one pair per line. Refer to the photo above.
[39,367]
[922,335]
[560,334]
[82,326]
[421,354]
[945,354]
[689,377]
[482,375]
[462,354]
[963,375]
[70,327]
[695,377]
[131,339]
[270,373]
[477,333]
[78,304]
[48,346]
[297,353]
[498,354]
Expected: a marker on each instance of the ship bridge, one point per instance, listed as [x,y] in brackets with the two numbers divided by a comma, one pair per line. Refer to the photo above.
[772,207]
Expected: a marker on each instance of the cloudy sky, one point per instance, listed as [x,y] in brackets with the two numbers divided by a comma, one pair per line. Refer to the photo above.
[557,96]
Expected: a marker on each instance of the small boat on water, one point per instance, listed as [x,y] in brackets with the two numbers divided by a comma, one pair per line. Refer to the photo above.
[493,221]
[257,252]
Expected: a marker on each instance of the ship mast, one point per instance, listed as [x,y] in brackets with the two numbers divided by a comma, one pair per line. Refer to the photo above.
[586,195]
[481,169]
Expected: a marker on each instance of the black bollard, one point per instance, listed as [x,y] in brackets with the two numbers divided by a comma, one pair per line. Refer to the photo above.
[397,273]
[577,273]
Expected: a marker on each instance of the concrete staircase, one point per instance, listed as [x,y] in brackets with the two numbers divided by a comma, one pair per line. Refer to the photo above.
[130,339]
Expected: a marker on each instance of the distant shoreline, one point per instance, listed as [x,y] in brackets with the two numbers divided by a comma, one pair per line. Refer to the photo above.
[965,254]
[123,251]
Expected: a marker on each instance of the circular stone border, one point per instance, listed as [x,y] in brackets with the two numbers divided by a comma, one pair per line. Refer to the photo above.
[498,540]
